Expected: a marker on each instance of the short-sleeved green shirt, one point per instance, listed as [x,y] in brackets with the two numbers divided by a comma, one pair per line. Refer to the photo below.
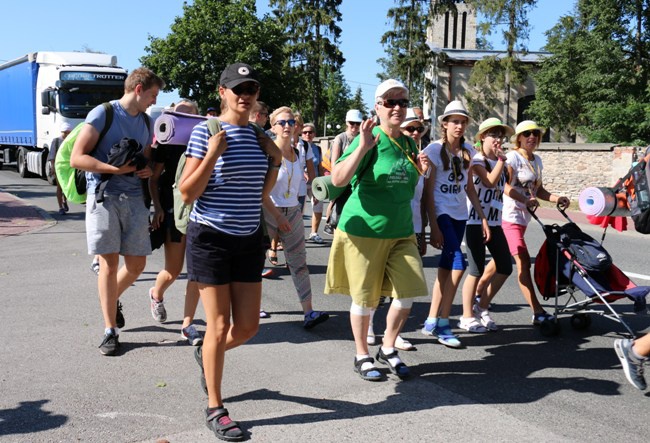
[380,206]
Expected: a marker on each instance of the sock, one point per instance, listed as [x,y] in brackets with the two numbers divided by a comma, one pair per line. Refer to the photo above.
[367,365]
[431,321]
[308,314]
[442,322]
[393,360]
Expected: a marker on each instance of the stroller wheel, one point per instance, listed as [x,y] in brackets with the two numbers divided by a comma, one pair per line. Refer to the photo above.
[580,322]
[549,328]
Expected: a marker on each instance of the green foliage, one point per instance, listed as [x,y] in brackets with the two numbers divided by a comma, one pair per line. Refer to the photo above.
[357,102]
[596,81]
[337,95]
[210,35]
[408,56]
[312,49]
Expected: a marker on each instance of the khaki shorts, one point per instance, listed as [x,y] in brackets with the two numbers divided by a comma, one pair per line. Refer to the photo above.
[367,268]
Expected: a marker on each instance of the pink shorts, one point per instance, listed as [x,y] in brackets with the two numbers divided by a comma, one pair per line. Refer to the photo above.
[515,236]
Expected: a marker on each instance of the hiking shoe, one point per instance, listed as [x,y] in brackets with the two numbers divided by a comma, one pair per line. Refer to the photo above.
[158,311]
[192,335]
[315,318]
[429,329]
[483,316]
[119,316]
[328,229]
[110,344]
[94,266]
[543,316]
[446,337]
[472,325]
[632,366]
[313,237]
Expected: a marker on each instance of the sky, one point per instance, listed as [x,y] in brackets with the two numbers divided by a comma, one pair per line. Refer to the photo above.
[124,27]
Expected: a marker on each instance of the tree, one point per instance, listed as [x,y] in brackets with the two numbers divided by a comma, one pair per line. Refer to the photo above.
[598,73]
[408,56]
[356,102]
[312,47]
[508,69]
[337,97]
[210,35]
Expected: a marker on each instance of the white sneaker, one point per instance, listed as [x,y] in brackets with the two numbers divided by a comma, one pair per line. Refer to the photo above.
[192,335]
[158,311]
[472,325]
[403,345]
[483,316]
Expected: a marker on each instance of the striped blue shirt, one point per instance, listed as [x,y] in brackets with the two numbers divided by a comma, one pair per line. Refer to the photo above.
[232,200]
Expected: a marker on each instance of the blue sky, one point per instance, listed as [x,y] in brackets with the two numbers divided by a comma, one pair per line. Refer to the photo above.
[123,28]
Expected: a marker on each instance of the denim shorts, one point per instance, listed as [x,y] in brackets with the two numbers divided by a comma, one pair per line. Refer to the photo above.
[120,224]
[216,258]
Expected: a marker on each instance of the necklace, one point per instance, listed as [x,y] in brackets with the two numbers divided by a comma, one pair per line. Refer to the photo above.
[406,154]
[289,175]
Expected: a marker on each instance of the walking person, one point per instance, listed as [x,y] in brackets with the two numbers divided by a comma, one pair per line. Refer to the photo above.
[633,354]
[284,216]
[164,233]
[375,233]
[308,133]
[446,192]
[226,175]
[61,199]
[526,186]
[120,224]
[487,175]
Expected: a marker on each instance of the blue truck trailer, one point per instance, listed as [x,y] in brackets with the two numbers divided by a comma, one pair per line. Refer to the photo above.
[42,90]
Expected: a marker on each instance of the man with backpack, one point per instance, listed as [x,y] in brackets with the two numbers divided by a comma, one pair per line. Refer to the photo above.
[120,224]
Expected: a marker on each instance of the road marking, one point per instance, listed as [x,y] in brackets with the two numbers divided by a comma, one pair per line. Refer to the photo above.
[114,415]
[639,276]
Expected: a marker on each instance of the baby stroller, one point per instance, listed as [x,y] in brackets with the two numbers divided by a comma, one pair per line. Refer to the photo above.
[570,261]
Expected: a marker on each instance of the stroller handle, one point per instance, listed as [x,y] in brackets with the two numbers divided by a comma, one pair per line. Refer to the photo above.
[561,208]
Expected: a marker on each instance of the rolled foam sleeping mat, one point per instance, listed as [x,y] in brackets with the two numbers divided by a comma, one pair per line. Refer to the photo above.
[175,128]
[323,189]
[603,201]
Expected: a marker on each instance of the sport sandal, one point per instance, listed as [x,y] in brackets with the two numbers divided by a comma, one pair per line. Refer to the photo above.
[371,373]
[400,369]
[222,426]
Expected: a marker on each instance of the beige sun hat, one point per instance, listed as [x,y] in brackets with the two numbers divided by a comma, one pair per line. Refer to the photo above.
[493,122]
[527,125]
[455,107]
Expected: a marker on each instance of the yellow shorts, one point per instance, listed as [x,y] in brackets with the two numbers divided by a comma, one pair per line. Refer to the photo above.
[367,268]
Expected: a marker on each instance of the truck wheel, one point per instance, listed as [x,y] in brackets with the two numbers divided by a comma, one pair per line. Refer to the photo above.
[21,163]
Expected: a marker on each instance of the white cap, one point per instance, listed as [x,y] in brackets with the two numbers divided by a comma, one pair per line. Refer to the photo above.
[66,127]
[353,115]
[410,117]
[387,85]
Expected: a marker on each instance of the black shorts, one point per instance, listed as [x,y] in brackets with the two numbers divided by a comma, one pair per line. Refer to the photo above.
[217,258]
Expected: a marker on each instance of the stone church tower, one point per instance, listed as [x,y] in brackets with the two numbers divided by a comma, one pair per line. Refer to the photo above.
[454,30]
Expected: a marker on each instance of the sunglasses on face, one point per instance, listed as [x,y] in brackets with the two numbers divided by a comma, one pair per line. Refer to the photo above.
[290,122]
[246,89]
[307,132]
[392,102]
[412,129]
[535,132]
[354,123]
[497,136]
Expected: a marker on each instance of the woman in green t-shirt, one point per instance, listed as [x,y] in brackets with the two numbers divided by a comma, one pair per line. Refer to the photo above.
[374,251]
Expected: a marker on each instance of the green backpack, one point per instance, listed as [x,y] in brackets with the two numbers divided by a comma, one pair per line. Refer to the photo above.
[71,180]
[182,210]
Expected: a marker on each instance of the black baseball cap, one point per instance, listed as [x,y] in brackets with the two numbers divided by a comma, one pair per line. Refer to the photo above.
[236,74]
[212,109]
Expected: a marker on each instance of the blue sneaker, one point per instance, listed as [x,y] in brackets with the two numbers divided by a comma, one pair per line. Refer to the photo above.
[446,337]
[429,329]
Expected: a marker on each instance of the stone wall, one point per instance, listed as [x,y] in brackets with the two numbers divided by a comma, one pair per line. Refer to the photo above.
[571,167]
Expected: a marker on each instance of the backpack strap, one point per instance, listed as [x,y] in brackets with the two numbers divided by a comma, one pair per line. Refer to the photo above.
[214,126]
[108,121]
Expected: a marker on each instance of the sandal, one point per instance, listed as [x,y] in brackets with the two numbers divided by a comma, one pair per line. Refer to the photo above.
[400,369]
[198,356]
[222,426]
[273,259]
[370,374]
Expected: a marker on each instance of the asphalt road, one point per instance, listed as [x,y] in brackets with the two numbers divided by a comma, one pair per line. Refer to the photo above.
[288,384]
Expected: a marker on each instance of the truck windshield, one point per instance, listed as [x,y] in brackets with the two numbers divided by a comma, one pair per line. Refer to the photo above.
[77,102]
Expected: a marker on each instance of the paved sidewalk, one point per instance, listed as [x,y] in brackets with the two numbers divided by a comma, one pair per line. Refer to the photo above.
[17,217]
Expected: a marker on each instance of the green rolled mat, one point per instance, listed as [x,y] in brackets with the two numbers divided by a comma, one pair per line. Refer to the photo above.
[323,189]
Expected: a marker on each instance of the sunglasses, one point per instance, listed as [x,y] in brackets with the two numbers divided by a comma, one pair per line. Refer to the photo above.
[412,129]
[535,132]
[246,89]
[354,123]
[392,102]
[282,123]
[498,136]
[307,132]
